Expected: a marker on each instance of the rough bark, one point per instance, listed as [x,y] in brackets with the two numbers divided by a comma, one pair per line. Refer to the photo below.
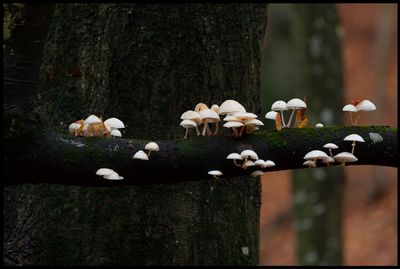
[73,160]
[318,194]
[144,64]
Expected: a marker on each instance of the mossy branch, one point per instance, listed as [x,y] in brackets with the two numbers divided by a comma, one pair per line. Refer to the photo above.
[64,159]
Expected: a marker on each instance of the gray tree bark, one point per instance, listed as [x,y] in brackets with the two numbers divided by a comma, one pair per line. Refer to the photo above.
[144,64]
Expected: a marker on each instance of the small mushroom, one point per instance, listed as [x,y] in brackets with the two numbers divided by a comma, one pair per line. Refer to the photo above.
[234,157]
[252,124]
[355,138]
[328,160]
[233,125]
[261,163]
[113,176]
[192,115]
[141,155]
[364,105]
[330,146]
[215,108]
[257,173]
[74,127]
[310,163]
[248,153]
[114,123]
[200,107]
[151,146]
[188,124]
[230,106]
[295,104]
[115,133]
[269,163]
[345,157]
[315,155]
[215,173]
[280,106]
[271,115]
[248,163]
[319,125]
[350,108]
[208,115]
[104,171]
[92,119]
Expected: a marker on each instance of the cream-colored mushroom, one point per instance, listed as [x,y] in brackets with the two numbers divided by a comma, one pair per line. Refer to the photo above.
[151,146]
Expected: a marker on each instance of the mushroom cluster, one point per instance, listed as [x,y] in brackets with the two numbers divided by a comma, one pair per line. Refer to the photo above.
[249,158]
[108,174]
[343,157]
[237,119]
[297,106]
[94,126]
[141,155]
[358,106]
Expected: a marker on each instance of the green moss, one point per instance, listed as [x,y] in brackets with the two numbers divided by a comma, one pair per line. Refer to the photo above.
[191,147]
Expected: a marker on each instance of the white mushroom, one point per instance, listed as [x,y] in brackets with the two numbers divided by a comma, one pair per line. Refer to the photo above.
[271,115]
[364,105]
[319,125]
[345,157]
[245,154]
[330,146]
[230,106]
[257,173]
[215,173]
[116,133]
[188,124]
[151,146]
[328,160]
[269,163]
[104,171]
[113,176]
[252,124]
[280,106]
[355,138]
[234,157]
[233,125]
[200,107]
[114,123]
[315,155]
[350,108]
[248,163]
[208,115]
[92,119]
[194,116]
[141,155]
[295,104]
[261,163]
[310,163]
[74,127]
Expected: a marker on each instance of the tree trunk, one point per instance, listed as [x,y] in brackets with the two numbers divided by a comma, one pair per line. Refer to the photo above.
[144,64]
[318,193]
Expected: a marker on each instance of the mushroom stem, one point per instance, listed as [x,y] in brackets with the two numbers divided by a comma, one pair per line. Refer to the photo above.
[330,152]
[216,128]
[209,133]
[197,131]
[359,115]
[283,119]
[186,133]
[353,146]
[235,131]
[205,127]
[343,163]
[148,154]
[241,131]
[234,160]
[216,177]
[290,119]
[351,119]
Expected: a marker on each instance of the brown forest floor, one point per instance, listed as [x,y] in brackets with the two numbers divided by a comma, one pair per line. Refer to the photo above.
[370,202]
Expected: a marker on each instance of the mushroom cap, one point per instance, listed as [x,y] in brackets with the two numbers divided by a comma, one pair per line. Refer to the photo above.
[249,153]
[365,105]
[141,155]
[350,107]
[296,103]
[315,154]
[114,123]
[231,118]
[234,156]
[244,115]
[215,173]
[153,146]
[232,124]
[191,115]
[73,127]
[116,133]
[200,107]
[113,176]
[328,159]
[104,171]
[249,163]
[188,123]
[354,137]
[345,157]
[269,163]
[253,122]
[260,163]
[271,115]
[319,125]
[310,162]
[210,115]
[92,119]
[257,173]
[330,146]
[279,105]
[230,106]
[215,108]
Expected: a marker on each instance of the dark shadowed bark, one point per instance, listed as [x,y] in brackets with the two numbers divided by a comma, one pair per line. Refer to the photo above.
[144,64]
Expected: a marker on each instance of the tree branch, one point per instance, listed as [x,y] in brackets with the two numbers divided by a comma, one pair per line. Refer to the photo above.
[64,159]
